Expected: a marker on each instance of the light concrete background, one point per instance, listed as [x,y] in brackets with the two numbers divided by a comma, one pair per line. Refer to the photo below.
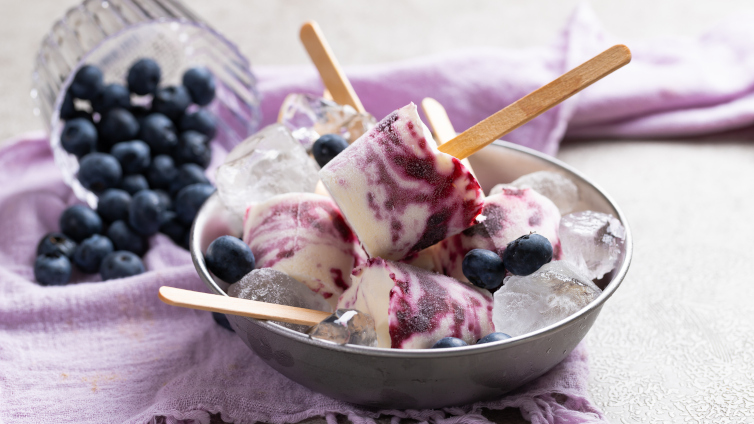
[360,32]
[674,343]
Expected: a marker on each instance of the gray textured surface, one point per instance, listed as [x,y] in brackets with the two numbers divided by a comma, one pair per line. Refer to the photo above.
[675,343]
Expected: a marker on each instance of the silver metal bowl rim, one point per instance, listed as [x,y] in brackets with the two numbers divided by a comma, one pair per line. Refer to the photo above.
[198,259]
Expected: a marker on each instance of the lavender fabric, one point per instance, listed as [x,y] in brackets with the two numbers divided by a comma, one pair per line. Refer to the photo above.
[93,352]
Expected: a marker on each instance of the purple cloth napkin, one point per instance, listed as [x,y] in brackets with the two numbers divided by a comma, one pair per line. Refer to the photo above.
[94,352]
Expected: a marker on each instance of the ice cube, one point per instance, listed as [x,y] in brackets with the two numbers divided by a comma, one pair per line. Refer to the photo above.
[271,286]
[592,241]
[553,292]
[268,163]
[346,326]
[561,190]
[308,117]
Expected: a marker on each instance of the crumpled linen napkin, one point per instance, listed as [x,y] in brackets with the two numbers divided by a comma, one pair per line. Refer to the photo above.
[102,352]
[94,352]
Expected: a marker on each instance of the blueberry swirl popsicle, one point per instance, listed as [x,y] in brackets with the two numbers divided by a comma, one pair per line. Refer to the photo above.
[398,192]
[305,236]
[413,308]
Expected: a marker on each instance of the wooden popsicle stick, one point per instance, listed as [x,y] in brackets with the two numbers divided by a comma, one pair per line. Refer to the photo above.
[332,74]
[438,120]
[243,307]
[537,102]
[441,125]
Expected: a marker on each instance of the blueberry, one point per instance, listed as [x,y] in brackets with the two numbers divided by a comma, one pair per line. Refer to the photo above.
[193,148]
[140,112]
[145,212]
[56,243]
[188,173]
[112,96]
[190,199]
[171,101]
[125,238]
[87,82]
[527,254]
[90,252]
[52,269]
[144,77]
[133,184]
[229,258]
[173,228]
[449,342]
[327,147]
[118,125]
[79,222]
[134,156]
[493,337]
[99,171]
[120,264]
[165,199]
[158,131]
[162,172]
[483,268]
[222,320]
[201,121]
[79,137]
[201,84]
[113,205]
[67,108]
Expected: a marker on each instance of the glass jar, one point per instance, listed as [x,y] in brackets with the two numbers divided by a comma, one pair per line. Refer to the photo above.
[112,35]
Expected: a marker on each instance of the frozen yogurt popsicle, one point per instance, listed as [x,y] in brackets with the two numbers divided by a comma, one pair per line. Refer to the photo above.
[305,236]
[413,308]
[398,192]
[506,216]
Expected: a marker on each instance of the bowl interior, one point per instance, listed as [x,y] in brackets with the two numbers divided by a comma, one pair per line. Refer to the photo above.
[500,162]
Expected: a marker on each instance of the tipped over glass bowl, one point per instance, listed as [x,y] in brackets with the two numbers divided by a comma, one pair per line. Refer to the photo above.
[112,35]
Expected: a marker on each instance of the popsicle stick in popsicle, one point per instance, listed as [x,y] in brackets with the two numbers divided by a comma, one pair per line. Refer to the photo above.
[537,102]
[332,74]
[242,307]
[441,125]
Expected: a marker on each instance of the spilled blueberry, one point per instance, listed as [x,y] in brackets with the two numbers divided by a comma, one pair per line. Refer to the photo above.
[52,269]
[120,264]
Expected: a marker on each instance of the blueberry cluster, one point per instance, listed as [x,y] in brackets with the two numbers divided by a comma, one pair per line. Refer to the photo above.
[145,162]
[523,256]
[140,136]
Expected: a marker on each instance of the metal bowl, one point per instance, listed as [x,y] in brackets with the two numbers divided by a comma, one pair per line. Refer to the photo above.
[429,378]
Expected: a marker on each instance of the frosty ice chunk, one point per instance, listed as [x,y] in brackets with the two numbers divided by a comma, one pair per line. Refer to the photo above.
[305,236]
[552,293]
[346,326]
[561,190]
[268,163]
[271,286]
[592,241]
[309,117]
[413,308]
[506,216]
[398,192]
